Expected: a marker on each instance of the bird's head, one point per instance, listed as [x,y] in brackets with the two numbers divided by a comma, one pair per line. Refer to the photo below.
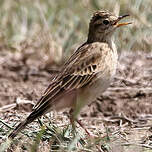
[103,24]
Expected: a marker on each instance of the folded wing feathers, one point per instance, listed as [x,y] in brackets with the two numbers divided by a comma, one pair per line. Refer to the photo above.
[74,76]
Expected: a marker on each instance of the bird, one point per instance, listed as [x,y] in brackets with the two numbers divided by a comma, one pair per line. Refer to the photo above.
[85,75]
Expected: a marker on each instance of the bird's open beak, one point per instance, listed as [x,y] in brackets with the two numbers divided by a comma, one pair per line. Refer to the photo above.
[121,24]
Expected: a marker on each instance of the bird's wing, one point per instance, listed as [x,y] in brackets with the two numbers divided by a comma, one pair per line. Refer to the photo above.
[80,70]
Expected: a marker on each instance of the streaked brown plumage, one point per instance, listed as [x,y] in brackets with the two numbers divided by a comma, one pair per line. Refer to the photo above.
[85,75]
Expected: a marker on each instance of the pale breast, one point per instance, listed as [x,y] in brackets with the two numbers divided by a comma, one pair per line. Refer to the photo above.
[89,93]
[114,59]
[108,70]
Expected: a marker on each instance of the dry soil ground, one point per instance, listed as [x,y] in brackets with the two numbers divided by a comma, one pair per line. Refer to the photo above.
[128,101]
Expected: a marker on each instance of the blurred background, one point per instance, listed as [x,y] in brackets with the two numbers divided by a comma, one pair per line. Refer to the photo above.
[51,29]
[38,35]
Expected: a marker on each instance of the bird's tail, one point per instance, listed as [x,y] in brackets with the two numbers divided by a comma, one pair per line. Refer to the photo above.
[21,126]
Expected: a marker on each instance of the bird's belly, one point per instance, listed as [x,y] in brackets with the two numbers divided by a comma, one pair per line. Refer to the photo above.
[66,100]
[91,92]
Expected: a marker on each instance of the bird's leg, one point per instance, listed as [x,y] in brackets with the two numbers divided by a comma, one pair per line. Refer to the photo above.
[81,125]
[73,119]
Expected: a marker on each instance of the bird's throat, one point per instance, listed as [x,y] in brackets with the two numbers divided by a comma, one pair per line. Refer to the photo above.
[99,37]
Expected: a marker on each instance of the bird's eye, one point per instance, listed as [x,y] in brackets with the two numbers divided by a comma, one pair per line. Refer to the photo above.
[106,22]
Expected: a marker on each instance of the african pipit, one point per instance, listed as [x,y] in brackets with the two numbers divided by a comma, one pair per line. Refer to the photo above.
[86,74]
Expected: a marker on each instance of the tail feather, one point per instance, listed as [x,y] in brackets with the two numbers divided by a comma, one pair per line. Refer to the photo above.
[22,125]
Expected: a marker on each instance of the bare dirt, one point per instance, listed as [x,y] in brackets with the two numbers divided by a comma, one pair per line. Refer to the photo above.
[130,93]
[125,109]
